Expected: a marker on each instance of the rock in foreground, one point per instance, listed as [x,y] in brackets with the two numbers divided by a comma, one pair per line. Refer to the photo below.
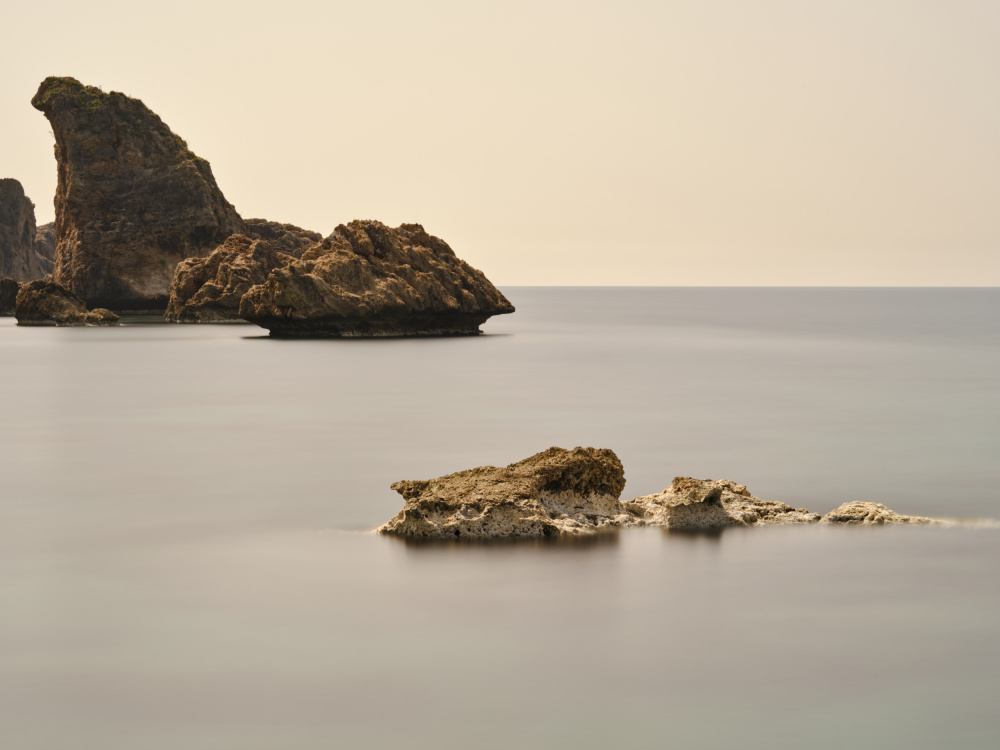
[553,493]
[870,514]
[45,303]
[367,279]
[132,200]
[703,504]
[18,259]
[208,290]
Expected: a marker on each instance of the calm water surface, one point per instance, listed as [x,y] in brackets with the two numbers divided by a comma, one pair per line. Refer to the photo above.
[184,560]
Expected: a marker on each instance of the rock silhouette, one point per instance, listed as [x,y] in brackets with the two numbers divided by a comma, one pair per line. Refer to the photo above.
[132,199]
[367,279]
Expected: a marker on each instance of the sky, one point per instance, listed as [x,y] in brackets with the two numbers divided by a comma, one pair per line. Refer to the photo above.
[704,142]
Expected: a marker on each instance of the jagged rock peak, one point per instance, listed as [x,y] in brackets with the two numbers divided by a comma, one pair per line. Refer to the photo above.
[368,279]
[208,290]
[132,199]
[285,238]
[18,259]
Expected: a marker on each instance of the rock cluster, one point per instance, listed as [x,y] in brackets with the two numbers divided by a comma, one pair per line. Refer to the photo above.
[18,259]
[367,279]
[208,290]
[132,199]
[553,493]
[699,504]
[45,303]
[870,514]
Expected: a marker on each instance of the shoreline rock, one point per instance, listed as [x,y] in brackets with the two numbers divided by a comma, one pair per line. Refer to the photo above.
[871,514]
[367,279]
[45,303]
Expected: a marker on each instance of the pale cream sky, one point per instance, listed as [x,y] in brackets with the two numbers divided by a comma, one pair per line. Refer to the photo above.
[708,142]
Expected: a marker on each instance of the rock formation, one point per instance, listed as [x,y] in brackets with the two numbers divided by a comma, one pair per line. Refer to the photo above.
[8,295]
[132,199]
[208,290]
[553,493]
[45,303]
[367,279]
[870,514]
[17,234]
[45,246]
[285,238]
[701,504]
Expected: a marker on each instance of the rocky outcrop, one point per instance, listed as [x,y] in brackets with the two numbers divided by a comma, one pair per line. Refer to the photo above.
[285,238]
[208,290]
[45,303]
[132,199]
[702,504]
[870,514]
[367,279]
[17,234]
[45,246]
[553,493]
[8,296]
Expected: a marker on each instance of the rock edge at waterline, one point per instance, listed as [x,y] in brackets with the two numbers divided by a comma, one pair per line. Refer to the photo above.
[558,493]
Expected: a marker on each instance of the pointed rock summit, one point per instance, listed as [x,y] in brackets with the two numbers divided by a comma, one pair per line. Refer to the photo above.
[132,199]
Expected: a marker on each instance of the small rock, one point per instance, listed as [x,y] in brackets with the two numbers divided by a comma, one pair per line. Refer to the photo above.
[870,514]
[45,303]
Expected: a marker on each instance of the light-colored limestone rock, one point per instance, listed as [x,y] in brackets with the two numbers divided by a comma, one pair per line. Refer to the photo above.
[870,514]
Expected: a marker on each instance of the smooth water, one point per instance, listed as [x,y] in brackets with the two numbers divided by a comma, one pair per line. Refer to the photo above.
[184,560]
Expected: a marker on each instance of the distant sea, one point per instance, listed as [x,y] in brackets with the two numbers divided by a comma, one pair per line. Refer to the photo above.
[185,559]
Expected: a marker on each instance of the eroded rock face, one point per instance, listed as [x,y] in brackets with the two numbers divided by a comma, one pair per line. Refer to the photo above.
[285,238]
[132,199]
[45,303]
[208,290]
[17,234]
[553,493]
[870,514]
[702,504]
[367,279]
[8,295]
[45,246]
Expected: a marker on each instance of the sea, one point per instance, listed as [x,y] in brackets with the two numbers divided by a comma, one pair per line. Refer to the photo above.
[187,558]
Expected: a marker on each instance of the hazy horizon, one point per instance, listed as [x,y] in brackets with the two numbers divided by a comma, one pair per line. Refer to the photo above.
[555,143]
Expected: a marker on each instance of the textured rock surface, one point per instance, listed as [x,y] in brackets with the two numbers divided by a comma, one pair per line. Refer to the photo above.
[8,295]
[285,238]
[17,234]
[367,279]
[45,303]
[700,504]
[870,514]
[553,493]
[208,290]
[45,246]
[132,200]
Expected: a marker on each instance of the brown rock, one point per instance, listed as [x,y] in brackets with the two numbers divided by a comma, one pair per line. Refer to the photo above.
[132,199]
[870,514]
[367,279]
[45,303]
[17,234]
[285,238]
[8,296]
[45,246]
[553,493]
[208,290]
[701,504]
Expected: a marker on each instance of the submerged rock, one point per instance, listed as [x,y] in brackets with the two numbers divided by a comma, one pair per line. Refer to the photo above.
[701,504]
[367,279]
[208,290]
[553,493]
[132,199]
[870,514]
[17,234]
[45,303]
[285,238]
[8,295]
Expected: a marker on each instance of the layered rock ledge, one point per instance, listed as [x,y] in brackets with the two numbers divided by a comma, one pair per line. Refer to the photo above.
[208,290]
[367,279]
[553,493]
[45,303]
